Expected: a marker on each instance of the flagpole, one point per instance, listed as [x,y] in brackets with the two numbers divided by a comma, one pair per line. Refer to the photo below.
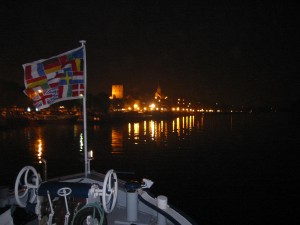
[86,166]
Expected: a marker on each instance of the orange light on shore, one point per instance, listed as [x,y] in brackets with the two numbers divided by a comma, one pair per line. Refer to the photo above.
[152,106]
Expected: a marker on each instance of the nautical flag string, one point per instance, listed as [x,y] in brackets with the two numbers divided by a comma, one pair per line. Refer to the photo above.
[56,79]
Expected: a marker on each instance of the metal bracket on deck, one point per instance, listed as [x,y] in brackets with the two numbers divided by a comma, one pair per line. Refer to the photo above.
[64,192]
[51,208]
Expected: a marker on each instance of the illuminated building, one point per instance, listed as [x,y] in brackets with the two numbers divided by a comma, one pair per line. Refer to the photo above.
[158,93]
[117,91]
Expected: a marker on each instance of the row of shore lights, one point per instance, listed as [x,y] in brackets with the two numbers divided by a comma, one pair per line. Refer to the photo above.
[152,107]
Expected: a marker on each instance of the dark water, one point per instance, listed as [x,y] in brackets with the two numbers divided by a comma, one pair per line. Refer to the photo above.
[219,169]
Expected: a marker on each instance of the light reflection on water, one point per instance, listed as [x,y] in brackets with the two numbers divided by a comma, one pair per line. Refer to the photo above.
[116,141]
[39,150]
[233,156]
[36,142]
[155,131]
[142,132]
[40,141]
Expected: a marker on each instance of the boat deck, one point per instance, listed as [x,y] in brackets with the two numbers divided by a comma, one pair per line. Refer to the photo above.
[117,217]
[137,207]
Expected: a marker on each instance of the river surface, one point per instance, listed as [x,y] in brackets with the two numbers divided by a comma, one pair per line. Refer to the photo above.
[219,169]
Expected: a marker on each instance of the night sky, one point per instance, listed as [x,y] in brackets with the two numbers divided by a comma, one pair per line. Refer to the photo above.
[238,54]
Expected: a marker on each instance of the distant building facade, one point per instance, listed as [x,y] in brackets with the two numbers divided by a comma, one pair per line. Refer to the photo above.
[158,94]
[117,91]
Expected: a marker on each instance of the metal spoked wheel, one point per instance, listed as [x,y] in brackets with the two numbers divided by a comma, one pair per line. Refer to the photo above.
[26,184]
[88,216]
[109,191]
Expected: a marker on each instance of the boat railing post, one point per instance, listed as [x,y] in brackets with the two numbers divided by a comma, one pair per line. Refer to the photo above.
[45,168]
[86,169]
[162,203]
[132,188]
[90,157]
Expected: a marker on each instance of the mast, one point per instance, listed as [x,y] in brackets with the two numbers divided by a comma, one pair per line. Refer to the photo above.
[86,166]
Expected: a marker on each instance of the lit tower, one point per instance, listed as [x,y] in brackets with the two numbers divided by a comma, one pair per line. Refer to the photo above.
[160,99]
[117,91]
[158,94]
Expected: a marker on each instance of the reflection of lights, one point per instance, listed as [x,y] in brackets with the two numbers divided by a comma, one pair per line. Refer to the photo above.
[39,149]
[192,118]
[81,142]
[145,128]
[166,129]
[173,126]
[152,129]
[158,131]
[129,129]
[116,141]
[136,130]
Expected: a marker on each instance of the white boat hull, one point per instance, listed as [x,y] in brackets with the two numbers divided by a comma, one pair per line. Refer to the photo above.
[134,207]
